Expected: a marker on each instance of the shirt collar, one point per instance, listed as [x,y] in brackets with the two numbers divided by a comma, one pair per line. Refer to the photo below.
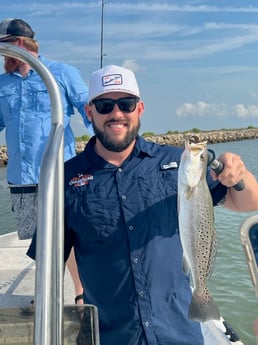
[18,74]
[91,159]
[143,147]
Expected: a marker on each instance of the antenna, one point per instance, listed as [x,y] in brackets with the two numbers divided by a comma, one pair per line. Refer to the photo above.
[101,34]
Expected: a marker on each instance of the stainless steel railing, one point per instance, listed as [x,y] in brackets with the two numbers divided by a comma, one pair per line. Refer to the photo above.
[48,323]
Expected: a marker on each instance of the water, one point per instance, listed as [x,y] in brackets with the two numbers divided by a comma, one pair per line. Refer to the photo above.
[230,284]
[7,223]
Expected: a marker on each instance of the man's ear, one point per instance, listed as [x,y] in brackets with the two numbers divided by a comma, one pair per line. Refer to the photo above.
[19,41]
[140,108]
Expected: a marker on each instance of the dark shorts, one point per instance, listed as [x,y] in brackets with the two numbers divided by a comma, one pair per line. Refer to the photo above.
[24,205]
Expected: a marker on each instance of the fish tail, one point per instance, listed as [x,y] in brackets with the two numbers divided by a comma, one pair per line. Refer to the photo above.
[203,308]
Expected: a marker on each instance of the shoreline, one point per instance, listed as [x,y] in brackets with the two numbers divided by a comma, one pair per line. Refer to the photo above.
[176,139]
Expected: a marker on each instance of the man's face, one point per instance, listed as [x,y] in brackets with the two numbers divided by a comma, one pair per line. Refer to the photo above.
[117,129]
[11,64]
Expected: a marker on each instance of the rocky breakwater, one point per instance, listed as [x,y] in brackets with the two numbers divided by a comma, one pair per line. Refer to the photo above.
[3,156]
[211,137]
[176,139]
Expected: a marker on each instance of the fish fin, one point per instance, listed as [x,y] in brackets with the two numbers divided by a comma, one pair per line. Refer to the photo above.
[203,308]
[186,268]
[212,255]
[188,193]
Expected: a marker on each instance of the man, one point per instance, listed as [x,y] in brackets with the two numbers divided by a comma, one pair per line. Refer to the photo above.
[26,115]
[121,217]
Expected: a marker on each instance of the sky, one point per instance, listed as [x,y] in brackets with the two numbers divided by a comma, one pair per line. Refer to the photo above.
[196,61]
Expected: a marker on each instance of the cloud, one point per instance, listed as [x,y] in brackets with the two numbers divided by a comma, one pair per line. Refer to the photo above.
[154,35]
[168,7]
[58,8]
[201,109]
[244,111]
[131,64]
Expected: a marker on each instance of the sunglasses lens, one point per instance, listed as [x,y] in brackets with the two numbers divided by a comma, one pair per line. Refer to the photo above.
[106,105]
[127,105]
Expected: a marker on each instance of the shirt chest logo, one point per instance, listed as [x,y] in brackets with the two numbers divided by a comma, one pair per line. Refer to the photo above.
[80,180]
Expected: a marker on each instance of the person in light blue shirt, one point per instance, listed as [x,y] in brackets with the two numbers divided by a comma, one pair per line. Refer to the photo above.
[25,114]
[27,118]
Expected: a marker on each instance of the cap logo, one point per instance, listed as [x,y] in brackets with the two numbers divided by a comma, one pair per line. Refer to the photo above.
[112,79]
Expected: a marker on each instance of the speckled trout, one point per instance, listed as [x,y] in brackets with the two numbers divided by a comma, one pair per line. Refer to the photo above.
[196,226]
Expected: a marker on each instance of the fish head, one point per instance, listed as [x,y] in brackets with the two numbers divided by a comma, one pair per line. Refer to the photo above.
[194,160]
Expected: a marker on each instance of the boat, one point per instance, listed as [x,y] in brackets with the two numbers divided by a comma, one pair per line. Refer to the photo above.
[17,291]
[53,318]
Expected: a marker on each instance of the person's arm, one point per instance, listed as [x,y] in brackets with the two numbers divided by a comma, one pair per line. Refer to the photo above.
[77,92]
[234,171]
[2,124]
[68,244]
[73,269]
[87,123]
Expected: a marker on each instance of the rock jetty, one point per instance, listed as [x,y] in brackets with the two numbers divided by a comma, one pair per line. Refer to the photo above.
[177,139]
[212,137]
[3,156]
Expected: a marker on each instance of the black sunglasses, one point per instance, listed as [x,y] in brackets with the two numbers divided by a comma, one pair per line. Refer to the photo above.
[106,105]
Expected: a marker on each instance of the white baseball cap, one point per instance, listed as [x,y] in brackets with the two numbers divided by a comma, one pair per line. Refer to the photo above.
[112,78]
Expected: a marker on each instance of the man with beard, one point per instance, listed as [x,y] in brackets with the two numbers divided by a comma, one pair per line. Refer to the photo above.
[25,113]
[121,217]
[11,64]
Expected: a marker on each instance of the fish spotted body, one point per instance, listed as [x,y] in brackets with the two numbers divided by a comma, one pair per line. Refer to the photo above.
[196,227]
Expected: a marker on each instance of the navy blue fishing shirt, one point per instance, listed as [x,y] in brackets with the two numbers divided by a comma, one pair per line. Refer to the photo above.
[123,223]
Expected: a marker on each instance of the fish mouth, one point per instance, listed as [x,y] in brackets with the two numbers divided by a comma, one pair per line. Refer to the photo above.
[194,144]
[193,139]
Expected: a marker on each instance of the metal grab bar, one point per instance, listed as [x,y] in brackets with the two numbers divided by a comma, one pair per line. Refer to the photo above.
[48,323]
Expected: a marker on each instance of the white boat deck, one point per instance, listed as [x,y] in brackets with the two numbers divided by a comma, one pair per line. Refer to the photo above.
[17,286]
[17,274]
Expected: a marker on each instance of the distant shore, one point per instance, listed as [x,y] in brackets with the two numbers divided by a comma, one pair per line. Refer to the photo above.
[177,139]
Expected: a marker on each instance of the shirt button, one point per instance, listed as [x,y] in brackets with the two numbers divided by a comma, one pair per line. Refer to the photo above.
[123,197]
[131,228]
[141,293]
[136,260]
[119,169]
[146,323]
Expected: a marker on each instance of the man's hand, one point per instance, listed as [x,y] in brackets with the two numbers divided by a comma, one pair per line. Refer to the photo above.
[233,172]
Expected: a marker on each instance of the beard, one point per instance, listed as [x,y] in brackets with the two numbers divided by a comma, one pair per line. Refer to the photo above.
[113,145]
[11,64]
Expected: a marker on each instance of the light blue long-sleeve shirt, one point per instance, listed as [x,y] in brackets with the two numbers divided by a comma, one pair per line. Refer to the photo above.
[26,115]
